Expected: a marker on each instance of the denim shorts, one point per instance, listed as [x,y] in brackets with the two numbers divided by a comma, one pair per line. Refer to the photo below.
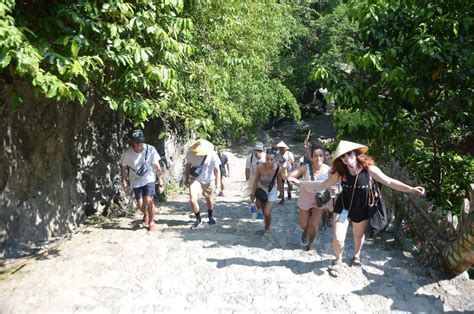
[146,190]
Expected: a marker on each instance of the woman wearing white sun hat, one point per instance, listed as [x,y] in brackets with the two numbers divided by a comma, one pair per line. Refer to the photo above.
[353,168]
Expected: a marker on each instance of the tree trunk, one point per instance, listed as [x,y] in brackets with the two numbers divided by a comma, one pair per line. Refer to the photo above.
[448,246]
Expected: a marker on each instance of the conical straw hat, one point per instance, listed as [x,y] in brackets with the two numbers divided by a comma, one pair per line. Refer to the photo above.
[282,144]
[201,147]
[346,146]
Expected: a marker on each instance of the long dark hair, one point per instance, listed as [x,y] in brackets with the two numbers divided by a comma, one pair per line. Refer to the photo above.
[315,147]
[363,161]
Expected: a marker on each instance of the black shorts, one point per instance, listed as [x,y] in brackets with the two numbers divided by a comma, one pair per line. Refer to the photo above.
[356,215]
[146,190]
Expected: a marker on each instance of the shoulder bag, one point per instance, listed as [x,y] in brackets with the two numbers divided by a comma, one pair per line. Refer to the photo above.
[196,171]
[322,197]
[143,169]
[378,215]
[261,194]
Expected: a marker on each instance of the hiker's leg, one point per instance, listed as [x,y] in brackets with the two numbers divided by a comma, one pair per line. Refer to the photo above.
[194,189]
[267,214]
[208,193]
[314,221]
[339,235]
[304,219]
[138,192]
[290,188]
[222,184]
[150,209]
[358,231]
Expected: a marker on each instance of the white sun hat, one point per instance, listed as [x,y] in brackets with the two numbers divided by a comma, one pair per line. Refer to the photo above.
[201,147]
[282,144]
[346,146]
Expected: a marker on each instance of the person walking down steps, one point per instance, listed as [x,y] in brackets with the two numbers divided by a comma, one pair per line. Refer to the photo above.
[202,174]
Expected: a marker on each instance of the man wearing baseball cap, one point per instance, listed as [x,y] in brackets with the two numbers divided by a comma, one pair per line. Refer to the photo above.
[139,168]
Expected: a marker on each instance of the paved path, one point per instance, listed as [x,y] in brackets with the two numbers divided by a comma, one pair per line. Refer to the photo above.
[223,268]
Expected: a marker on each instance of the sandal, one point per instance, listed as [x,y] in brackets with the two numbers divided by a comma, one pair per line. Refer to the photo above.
[356,261]
[335,268]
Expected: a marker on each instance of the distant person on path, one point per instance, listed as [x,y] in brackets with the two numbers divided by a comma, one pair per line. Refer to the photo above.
[284,155]
[224,167]
[265,184]
[139,169]
[311,210]
[327,156]
[202,174]
[330,208]
[253,160]
[354,169]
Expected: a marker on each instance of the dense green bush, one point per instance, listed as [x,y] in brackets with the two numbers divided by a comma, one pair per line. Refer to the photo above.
[209,66]
[407,89]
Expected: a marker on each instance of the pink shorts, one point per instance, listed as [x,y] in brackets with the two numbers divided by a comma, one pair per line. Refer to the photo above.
[307,200]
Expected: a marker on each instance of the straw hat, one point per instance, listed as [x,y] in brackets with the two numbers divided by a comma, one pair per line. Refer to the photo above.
[201,147]
[346,146]
[282,144]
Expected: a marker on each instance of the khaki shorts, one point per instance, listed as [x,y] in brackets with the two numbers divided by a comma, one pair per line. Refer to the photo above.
[207,188]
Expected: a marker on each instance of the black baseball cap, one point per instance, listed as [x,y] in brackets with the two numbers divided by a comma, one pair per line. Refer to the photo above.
[136,136]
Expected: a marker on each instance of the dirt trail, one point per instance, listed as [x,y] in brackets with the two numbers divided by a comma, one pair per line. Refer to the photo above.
[224,268]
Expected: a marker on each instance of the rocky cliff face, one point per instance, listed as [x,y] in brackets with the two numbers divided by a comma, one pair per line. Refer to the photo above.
[59,161]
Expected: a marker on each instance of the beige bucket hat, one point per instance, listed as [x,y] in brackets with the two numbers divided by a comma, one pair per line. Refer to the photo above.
[201,147]
[346,146]
[282,144]
[259,146]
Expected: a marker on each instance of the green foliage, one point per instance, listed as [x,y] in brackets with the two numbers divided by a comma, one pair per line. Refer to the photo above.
[407,90]
[129,53]
[136,57]
[171,189]
[233,83]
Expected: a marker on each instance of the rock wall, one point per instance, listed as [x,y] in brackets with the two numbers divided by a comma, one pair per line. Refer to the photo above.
[59,161]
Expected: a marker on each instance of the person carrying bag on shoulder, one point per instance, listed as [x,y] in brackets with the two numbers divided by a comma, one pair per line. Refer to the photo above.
[264,190]
[354,169]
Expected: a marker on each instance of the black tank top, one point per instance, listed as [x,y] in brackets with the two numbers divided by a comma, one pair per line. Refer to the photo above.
[359,209]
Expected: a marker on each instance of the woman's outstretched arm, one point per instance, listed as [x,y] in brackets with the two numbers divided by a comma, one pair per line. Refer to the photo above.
[392,183]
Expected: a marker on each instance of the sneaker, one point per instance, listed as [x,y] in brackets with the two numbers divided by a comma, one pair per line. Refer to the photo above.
[195,225]
[220,194]
[304,238]
[260,216]
[212,221]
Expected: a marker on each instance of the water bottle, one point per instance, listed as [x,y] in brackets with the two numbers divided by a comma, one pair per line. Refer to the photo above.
[253,211]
